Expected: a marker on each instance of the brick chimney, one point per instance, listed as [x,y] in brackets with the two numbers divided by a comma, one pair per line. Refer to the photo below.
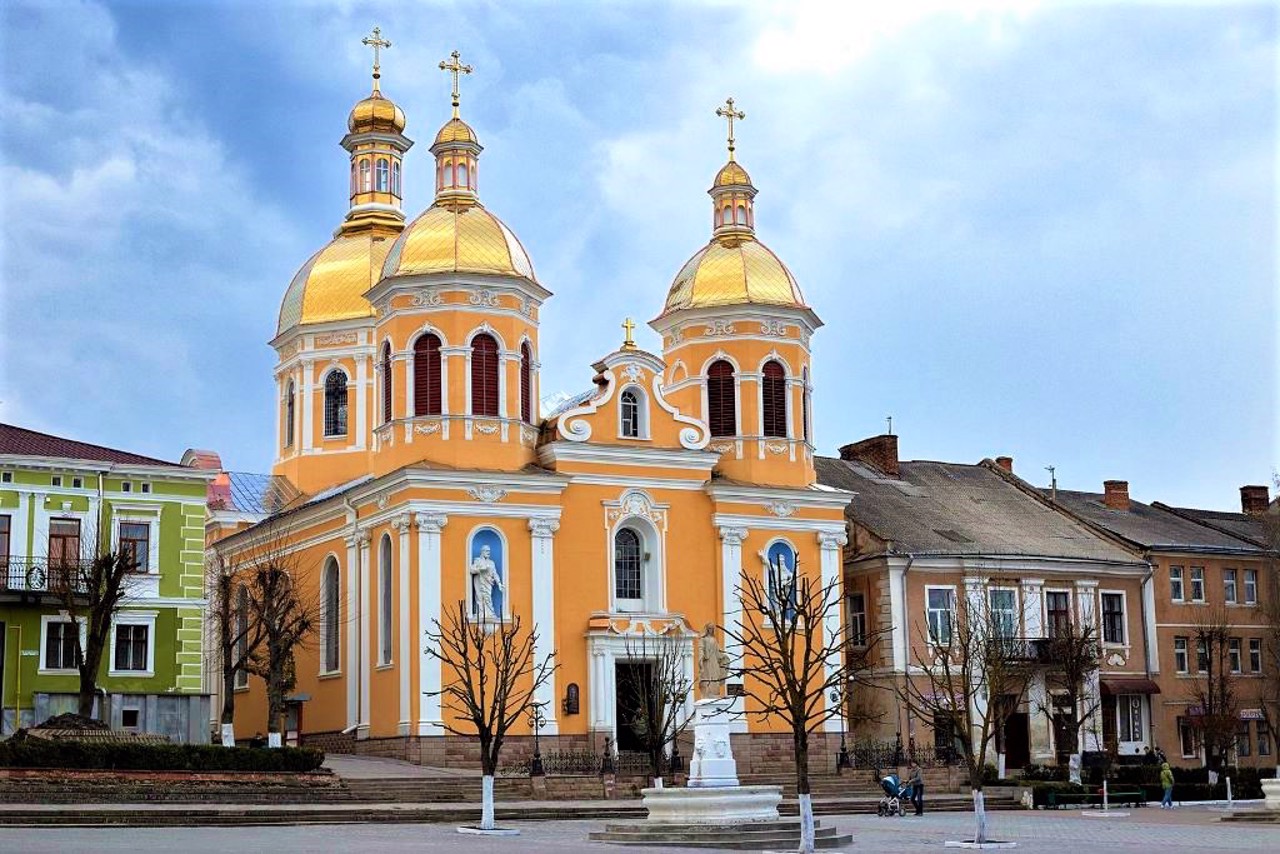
[1116,494]
[1005,463]
[879,452]
[1254,500]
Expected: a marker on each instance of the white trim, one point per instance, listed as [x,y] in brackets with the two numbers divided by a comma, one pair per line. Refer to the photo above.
[133,618]
[642,412]
[325,605]
[430,581]
[1125,641]
[951,623]
[504,568]
[385,586]
[636,509]
[404,725]
[119,514]
[557,452]
[45,620]
[543,582]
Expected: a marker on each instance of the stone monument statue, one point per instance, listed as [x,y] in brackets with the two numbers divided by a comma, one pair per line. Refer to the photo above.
[484,578]
[713,664]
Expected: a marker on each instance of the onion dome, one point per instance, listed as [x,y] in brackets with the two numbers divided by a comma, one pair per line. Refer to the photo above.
[374,114]
[455,130]
[331,284]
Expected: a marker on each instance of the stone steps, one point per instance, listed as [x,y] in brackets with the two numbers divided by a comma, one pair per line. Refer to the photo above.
[753,836]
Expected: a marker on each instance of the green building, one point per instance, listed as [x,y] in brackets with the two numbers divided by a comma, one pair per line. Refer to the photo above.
[61,502]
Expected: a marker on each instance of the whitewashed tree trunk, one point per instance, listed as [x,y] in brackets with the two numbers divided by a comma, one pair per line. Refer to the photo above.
[806,824]
[1000,765]
[980,813]
[486,810]
[657,782]
[228,735]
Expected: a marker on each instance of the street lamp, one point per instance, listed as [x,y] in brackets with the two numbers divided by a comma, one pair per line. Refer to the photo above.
[842,758]
[536,719]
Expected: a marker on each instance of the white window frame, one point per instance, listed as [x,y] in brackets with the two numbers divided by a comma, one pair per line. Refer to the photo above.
[1231,586]
[1179,573]
[642,413]
[1186,654]
[326,606]
[929,611]
[386,600]
[45,620]
[1194,581]
[857,619]
[135,516]
[631,605]
[1124,618]
[134,618]
[1250,584]
[1071,609]
[636,509]
[1016,612]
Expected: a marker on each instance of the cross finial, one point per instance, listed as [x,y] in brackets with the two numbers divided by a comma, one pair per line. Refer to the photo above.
[628,326]
[456,68]
[377,42]
[729,113]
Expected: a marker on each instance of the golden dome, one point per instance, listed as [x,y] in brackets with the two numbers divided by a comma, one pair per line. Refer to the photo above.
[458,239]
[455,130]
[733,272]
[731,174]
[331,285]
[376,113]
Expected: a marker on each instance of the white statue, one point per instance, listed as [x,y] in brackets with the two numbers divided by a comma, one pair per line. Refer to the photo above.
[780,575]
[484,578]
[713,664]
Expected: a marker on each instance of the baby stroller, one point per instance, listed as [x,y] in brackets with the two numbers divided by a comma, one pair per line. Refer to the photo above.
[895,797]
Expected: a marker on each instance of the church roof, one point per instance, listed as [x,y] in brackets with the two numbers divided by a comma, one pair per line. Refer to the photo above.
[938,508]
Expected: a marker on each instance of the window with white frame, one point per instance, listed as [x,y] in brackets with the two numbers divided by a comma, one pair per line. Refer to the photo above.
[940,605]
[1004,611]
[1229,586]
[1197,584]
[631,414]
[384,601]
[1255,655]
[1251,587]
[135,543]
[628,567]
[856,605]
[131,649]
[1180,662]
[59,645]
[330,605]
[1129,712]
[1233,654]
[1175,583]
[1057,607]
[1113,618]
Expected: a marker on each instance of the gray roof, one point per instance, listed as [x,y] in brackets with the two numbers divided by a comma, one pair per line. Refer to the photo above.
[261,493]
[1150,526]
[1241,525]
[959,509]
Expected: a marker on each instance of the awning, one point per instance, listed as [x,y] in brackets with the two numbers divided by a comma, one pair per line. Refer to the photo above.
[1129,685]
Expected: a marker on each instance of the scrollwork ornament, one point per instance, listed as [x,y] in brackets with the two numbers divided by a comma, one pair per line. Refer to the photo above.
[487,494]
[426,298]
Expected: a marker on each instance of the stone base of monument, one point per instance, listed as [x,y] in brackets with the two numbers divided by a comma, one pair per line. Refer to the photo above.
[710,806]
[776,835]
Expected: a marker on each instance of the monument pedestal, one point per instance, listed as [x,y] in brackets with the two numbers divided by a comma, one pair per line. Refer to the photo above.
[713,765]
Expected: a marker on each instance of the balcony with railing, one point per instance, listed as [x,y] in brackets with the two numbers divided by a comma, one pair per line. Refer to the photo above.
[39,579]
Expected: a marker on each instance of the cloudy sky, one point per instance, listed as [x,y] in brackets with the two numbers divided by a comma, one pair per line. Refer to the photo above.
[1043,229]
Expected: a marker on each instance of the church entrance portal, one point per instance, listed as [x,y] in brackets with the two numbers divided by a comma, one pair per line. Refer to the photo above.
[630,677]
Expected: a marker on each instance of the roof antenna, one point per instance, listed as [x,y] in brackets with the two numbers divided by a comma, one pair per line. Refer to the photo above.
[889,418]
[1053,481]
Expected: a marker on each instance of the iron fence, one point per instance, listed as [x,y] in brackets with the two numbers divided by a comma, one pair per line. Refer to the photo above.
[40,575]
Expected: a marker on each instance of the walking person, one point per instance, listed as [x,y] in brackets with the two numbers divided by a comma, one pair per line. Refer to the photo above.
[916,781]
[1166,781]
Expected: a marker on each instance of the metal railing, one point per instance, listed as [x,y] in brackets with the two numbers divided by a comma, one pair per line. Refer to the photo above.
[41,575]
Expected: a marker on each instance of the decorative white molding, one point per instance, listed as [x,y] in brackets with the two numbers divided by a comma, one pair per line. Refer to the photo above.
[487,429]
[487,494]
[336,339]
[543,526]
[484,297]
[637,503]
[776,447]
[427,429]
[696,435]
[432,522]
[732,535]
[718,327]
[721,447]
[634,372]
[426,298]
[773,327]
[832,539]
[780,508]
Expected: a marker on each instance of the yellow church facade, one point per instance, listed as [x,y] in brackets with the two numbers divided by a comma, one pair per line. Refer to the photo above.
[408,417]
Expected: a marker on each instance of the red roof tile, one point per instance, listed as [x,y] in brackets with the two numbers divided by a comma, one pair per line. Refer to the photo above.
[17,440]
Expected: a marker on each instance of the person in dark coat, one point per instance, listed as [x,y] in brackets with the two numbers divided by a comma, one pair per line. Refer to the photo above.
[916,781]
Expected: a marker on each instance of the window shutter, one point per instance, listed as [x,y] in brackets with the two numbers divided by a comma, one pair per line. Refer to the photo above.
[774,398]
[722,405]
[526,383]
[427,393]
[484,375]
[386,382]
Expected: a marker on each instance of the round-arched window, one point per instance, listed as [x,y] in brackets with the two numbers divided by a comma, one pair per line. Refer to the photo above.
[628,569]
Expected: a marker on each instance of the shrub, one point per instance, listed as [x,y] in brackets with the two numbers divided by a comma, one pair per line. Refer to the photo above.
[38,753]
[1032,773]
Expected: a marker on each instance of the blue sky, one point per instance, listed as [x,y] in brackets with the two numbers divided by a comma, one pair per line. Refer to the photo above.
[1039,229]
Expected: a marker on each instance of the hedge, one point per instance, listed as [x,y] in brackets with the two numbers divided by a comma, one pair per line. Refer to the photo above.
[39,753]
[1190,784]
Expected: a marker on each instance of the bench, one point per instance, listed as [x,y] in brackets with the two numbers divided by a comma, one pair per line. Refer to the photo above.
[1120,797]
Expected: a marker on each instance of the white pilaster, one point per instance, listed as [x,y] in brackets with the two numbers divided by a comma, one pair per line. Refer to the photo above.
[1033,607]
[406,636]
[831,544]
[350,613]
[1087,599]
[362,402]
[1151,641]
[307,386]
[364,625]
[731,538]
[898,614]
[430,717]
[543,530]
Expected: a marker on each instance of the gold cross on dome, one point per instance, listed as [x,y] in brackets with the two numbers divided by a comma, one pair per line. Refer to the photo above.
[628,326]
[728,112]
[455,67]
[377,42]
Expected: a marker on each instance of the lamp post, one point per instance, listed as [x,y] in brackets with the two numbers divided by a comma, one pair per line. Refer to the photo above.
[536,719]
[842,758]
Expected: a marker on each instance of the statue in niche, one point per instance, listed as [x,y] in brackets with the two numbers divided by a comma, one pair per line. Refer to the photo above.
[781,573]
[713,664]
[484,578]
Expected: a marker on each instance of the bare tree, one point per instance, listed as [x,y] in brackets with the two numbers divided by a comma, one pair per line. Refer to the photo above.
[794,656]
[660,694]
[492,678]
[1073,657]
[236,638]
[973,675]
[1269,597]
[90,592]
[1214,690]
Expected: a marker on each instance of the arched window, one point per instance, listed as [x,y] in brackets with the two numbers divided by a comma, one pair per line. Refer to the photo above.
[383,175]
[386,382]
[629,402]
[395,178]
[384,600]
[242,636]
[526,383]
[728,214]
[484,375]
[330,605]
[722,404]
[427,396]
[439,175]
[719,217]
[353,177]
[288,414]
[463,180]
[449,180]
[742,214]
[335,404]
[364,176]
[804,406]
[628,569]
[773,400]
